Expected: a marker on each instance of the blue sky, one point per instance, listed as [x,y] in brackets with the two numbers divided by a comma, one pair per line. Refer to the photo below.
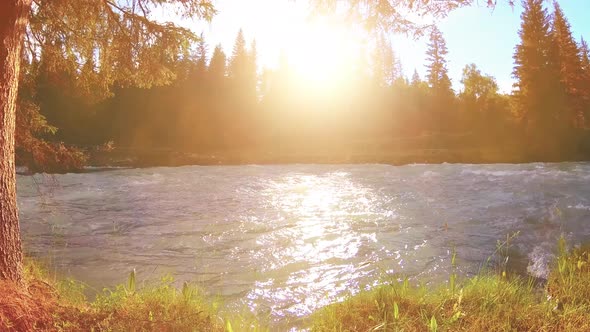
[474,34]
[486,38]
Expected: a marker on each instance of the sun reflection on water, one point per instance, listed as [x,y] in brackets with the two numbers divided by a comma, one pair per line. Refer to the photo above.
[313,242]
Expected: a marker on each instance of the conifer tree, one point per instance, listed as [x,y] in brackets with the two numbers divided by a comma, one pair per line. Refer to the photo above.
[238,63]
[217,65]
[584,55]
[386,66]
[538,92]
[438,77]
[252,70]
[441,102]
[585,64]
[201,56]
[416,80]
[569,66]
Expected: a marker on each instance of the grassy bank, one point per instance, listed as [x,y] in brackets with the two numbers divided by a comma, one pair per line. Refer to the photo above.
[47,304]
[492,301]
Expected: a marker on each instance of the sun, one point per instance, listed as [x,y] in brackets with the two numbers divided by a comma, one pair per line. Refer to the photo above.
[323,53]
[321,49]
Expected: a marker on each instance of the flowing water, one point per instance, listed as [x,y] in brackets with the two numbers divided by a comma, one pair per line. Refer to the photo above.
[284,240]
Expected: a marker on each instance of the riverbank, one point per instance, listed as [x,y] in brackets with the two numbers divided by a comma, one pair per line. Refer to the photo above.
[125,157]
[495,301]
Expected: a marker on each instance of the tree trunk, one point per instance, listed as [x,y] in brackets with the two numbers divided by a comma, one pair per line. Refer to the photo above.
[14,16]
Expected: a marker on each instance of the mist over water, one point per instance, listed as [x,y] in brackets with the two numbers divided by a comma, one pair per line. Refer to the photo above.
[284,240]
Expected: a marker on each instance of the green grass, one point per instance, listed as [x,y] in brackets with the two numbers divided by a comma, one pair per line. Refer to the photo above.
[159,306]
[491,301]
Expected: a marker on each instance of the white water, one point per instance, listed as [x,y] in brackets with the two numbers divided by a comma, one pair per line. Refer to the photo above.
[285,240]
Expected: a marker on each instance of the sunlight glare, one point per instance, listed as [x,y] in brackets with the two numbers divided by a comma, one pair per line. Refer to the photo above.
[323,53]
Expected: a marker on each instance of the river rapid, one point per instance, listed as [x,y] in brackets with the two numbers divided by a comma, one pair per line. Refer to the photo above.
[282,241]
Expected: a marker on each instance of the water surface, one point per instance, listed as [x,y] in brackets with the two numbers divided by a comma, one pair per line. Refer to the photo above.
[285,240]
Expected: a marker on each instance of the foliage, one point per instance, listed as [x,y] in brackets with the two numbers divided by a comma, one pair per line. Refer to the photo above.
[110,41]
[477,86]
[32,129]
[391,15]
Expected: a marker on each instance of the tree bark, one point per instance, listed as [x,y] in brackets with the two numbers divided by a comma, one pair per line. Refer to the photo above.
[14,16]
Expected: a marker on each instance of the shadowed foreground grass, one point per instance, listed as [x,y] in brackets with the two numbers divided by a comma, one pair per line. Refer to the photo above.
[487,302]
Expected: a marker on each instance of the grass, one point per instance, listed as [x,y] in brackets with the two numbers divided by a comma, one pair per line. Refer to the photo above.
[491,301]
[51,305]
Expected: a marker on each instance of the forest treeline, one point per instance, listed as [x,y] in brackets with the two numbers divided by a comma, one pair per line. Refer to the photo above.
[223,103]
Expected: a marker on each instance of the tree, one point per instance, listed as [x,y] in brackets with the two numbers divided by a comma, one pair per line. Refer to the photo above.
[218,84]
[569,65]
[416,80]
[201,56]
[540,95]
[584,55]
[438,76]
[476,85]
[238,63]
[440,85]
[585,64]
[484,108]
[13,21]
[126,45]
[252,70]
[386,66]
[218,64]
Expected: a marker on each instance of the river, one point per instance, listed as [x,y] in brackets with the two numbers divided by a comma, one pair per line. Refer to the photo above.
[284,240]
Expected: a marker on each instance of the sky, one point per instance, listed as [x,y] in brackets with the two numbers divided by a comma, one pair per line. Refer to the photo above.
[474,34]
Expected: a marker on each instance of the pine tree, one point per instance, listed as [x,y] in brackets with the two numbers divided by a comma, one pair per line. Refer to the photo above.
[238,63]
[416,80]
[217,66]
[438,77]
[252,70]
[584,55]
[386,66]
[442,96]
[201,55]
[569,66]
[538,92]
[585,64]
